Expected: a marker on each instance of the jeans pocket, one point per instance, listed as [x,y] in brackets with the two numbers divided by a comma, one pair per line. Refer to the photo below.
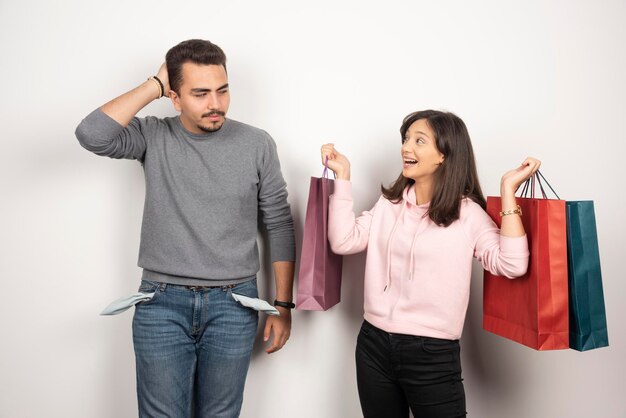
[248,289]
[366,328]
[147,286]
[122,304]
[439,346]
[255,303]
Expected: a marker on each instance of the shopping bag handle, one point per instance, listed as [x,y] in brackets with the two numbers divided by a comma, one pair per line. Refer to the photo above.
[325,172]
[529,186]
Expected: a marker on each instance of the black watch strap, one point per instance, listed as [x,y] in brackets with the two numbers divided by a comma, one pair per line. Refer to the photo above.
[288,305]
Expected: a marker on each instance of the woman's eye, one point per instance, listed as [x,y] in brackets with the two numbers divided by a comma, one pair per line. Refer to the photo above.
[404,139]
[420,141]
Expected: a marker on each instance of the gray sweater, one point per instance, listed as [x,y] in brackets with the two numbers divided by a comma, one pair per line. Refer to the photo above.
[203,195]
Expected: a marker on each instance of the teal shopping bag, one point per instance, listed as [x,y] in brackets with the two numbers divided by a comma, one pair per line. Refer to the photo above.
[587,315]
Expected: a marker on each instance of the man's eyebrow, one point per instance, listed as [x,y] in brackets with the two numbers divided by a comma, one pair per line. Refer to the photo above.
[204,90]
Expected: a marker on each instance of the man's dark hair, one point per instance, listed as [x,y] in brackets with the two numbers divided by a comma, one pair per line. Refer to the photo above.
[197,51]
[457,176]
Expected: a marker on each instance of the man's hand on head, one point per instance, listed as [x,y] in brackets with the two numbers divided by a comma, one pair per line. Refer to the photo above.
[162,74]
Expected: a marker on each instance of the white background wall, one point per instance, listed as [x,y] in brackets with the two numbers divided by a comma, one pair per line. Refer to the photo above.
[541,78]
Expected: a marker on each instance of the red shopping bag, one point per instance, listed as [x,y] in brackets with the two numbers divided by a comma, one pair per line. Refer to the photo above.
[319,277]
[533,309]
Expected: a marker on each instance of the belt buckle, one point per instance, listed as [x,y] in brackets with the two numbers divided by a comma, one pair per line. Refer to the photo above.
[195,288]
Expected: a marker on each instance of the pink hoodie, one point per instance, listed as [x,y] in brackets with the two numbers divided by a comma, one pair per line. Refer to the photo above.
[417,274]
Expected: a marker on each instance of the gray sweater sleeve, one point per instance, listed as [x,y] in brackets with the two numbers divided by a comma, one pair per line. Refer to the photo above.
[102,135]
[274,208]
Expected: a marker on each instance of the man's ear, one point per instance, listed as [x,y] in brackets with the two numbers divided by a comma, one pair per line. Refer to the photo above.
[175,100]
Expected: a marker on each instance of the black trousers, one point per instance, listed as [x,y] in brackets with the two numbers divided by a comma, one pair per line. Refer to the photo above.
[396,372]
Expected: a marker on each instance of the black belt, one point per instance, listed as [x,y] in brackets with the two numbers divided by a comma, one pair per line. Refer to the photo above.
[194,287]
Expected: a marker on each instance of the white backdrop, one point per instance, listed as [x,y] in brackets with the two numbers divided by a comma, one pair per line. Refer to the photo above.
[540,78]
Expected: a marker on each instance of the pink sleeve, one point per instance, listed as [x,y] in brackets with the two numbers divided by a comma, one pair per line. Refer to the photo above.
[501,255]
[346,233]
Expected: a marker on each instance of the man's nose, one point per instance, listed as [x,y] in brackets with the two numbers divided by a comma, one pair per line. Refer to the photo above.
[213,101]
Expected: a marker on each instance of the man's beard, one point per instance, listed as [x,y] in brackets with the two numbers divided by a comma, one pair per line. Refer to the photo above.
[215,125]
[208,129]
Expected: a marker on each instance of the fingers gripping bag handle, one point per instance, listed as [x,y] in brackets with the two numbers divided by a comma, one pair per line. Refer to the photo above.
[325,172]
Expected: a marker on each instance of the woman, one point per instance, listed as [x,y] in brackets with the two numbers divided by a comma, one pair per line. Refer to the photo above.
[420,237]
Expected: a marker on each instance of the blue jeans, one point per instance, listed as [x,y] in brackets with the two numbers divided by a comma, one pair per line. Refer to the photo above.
[396,372]
[193,348]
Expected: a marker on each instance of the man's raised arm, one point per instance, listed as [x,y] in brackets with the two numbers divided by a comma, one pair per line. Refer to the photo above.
[111,131]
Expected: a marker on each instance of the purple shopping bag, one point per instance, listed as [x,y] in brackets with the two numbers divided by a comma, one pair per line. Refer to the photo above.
[319,278]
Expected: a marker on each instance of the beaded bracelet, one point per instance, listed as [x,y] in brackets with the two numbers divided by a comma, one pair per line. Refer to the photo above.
[159,85]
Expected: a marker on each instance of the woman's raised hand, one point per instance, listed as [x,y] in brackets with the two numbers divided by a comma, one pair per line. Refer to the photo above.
[512,179]
[336,161]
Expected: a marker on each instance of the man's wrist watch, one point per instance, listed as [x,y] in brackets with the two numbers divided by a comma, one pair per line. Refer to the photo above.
[287,305]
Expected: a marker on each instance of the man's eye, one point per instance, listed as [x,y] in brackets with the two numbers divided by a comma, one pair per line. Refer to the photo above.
[200,95]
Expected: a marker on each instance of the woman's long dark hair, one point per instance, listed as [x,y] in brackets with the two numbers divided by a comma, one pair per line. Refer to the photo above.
[455,178]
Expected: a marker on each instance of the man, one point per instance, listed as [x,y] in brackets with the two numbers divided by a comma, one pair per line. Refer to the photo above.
[207,178]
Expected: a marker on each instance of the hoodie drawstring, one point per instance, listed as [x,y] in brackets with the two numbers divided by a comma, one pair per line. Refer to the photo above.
[421,227]
[393,230]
